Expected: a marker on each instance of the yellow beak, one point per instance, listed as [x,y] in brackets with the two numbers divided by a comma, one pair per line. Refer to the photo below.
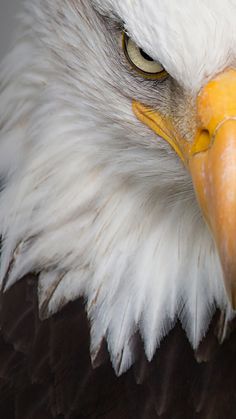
[211,160]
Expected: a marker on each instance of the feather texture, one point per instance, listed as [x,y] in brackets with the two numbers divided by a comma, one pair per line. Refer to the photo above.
[91,200]
[46,371]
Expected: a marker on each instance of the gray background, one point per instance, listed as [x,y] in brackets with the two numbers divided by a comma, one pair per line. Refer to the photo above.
[8,10]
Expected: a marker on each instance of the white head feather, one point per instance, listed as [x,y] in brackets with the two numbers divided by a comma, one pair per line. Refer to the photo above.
[91,199]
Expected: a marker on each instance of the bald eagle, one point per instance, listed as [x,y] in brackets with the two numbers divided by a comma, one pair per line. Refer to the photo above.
[118,211]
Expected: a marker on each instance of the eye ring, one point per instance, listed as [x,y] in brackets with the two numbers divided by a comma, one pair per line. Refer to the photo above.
[141,62]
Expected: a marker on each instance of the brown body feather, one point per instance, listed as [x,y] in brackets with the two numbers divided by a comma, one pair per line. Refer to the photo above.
[46,371]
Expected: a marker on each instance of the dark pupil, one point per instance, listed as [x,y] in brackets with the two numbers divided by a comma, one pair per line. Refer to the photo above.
[146,56]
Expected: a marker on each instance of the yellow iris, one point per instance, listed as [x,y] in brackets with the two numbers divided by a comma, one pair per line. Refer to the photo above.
[142,62]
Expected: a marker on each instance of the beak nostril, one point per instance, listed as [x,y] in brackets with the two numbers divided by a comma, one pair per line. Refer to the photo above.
[203,141]
[205,132]
[206,137]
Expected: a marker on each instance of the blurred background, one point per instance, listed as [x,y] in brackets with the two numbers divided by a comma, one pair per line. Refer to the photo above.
[8,11]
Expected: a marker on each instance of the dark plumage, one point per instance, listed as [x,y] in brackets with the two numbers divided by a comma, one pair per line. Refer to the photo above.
[46,371]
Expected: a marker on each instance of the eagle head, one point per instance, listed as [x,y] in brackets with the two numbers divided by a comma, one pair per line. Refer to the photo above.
[118,164]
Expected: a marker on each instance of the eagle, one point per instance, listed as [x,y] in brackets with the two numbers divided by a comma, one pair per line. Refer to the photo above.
[118,211]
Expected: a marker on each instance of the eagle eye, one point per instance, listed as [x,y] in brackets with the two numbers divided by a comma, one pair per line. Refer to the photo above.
[141,61]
